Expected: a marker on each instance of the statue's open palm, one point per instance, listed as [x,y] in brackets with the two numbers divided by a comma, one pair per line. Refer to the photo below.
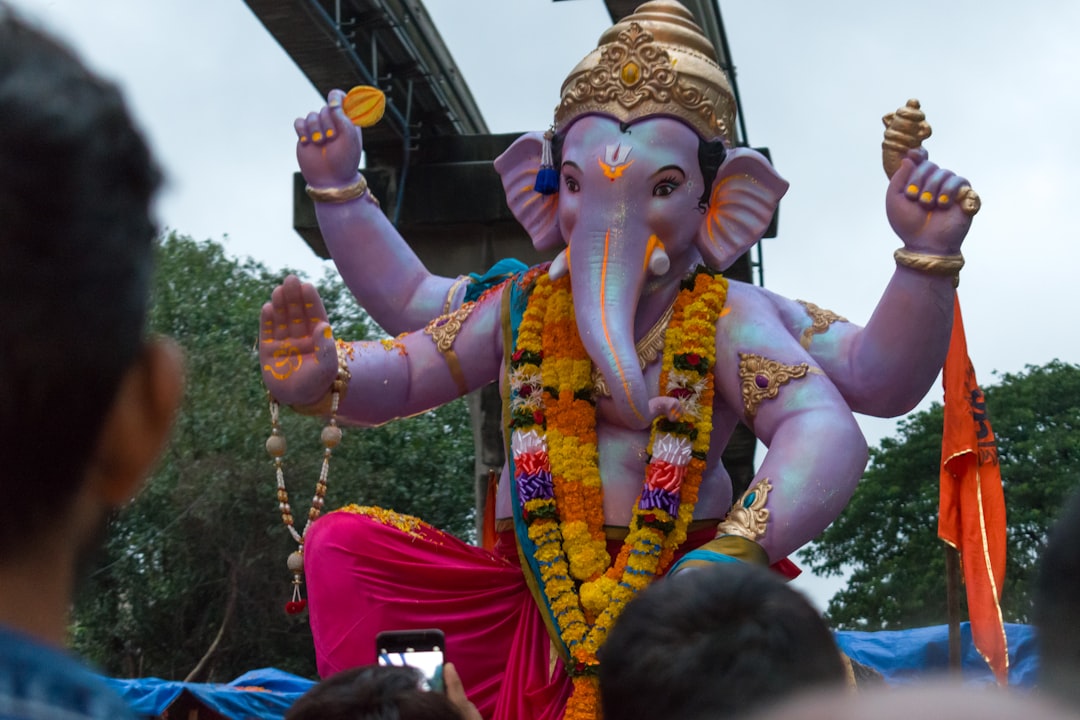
[297,352]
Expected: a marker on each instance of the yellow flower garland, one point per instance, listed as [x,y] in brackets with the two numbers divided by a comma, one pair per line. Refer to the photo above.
[554,436]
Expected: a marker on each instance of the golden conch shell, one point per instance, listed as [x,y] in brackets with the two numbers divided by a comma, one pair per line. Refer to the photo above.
[905,130]
[365,105]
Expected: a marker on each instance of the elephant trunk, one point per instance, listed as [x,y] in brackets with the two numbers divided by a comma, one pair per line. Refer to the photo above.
[607,281]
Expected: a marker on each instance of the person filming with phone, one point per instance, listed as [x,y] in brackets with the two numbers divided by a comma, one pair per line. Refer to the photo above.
[384,692]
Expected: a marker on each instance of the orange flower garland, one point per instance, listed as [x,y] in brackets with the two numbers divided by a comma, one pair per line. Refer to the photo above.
[553,441]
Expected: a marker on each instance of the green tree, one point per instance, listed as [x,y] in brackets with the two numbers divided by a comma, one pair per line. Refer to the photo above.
[193,576]
[887,536]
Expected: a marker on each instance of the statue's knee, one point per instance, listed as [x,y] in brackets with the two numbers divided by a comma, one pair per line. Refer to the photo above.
[338,533]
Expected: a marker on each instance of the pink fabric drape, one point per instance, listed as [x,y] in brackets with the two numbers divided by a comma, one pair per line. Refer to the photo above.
[365,576]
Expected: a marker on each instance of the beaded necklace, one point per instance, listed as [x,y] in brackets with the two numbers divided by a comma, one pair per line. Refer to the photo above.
[556,466]
[276,446]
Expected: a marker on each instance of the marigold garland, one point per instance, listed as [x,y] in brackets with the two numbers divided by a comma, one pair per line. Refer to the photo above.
[553,441]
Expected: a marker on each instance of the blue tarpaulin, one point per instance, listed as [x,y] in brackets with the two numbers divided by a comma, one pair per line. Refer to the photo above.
[901,656]
[905,656]
[256,695]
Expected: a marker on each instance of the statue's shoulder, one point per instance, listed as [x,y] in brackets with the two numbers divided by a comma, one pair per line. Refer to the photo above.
[746,302]
[753,318]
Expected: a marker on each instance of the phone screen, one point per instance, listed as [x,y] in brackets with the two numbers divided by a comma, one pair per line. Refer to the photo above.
[422,650]
[429,662]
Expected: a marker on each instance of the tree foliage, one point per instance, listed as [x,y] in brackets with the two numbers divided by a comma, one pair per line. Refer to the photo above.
[201,551]
[887,537]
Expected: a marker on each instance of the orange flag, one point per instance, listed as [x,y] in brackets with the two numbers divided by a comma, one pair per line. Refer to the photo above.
[972,513]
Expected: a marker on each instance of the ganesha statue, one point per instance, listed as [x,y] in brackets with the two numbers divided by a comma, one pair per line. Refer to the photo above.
[624,366]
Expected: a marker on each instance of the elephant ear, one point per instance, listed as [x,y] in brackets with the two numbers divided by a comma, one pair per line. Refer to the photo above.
[537,213]
[744,197]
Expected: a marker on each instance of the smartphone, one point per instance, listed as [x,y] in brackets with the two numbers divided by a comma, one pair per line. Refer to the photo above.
[421,649]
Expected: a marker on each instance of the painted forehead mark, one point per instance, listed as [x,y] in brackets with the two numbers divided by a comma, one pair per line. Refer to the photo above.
[616,160]
[617,154]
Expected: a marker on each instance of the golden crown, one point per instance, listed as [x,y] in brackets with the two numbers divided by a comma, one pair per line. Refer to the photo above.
[656,61]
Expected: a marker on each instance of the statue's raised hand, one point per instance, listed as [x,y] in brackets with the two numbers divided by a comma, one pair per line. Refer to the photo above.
[297,352]
[328,145]
[929,207]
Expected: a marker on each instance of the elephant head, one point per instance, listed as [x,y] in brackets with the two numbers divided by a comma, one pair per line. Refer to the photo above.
[633,213]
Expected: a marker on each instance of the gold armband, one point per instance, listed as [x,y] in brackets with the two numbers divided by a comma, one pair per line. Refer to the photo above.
[443,330]
[761,379]
[453,290]
[820,320]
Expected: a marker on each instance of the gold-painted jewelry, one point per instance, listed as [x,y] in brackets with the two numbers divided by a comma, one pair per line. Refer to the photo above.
[969,200]
[820,320]
[748,516]
[648,349]
[276,446]
[932,264]
[762,379]
[443,330]
[339,194]
[905,130]
[453,289]
[654,61]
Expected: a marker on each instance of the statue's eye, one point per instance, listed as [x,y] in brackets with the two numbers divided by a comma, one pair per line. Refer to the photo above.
[572,185]
[665,187]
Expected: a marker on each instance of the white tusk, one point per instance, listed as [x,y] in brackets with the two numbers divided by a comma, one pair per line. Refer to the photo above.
[559,266]
[659,263]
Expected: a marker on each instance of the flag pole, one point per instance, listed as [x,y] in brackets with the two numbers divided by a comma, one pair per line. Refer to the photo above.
[952,600]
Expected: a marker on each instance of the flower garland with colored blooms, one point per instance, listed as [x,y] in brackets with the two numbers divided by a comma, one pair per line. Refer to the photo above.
[556,468]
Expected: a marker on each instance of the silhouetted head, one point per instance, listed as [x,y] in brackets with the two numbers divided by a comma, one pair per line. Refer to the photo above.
[1057,607]
[715,642]
[76,241]
[373,692]
[925,701]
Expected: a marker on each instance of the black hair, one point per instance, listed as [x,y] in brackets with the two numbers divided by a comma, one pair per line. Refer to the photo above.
[714,642]
[711,154]
[373,692]
[1057,606]
[76,242]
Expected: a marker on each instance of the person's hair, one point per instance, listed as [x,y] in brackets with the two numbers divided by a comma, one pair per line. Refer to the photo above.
[1057,606]
[76,243]
[933,699]
[373,692]
[714,642]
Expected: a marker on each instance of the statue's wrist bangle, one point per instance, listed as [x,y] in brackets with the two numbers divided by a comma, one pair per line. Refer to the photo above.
[341,194]
[327,404]
[948,265]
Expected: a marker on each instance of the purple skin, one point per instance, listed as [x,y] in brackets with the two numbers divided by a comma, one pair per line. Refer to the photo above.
[623,283]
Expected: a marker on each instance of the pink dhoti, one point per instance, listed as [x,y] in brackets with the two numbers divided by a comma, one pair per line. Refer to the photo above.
[369,573]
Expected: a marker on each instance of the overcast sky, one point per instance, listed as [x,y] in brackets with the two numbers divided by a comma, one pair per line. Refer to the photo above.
[217,96]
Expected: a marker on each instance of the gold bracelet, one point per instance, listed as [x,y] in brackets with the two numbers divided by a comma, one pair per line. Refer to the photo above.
[324,406]
[748,517]
[933,264]
[339,194]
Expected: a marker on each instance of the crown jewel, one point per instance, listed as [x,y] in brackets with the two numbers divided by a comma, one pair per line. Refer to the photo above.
[656,61]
